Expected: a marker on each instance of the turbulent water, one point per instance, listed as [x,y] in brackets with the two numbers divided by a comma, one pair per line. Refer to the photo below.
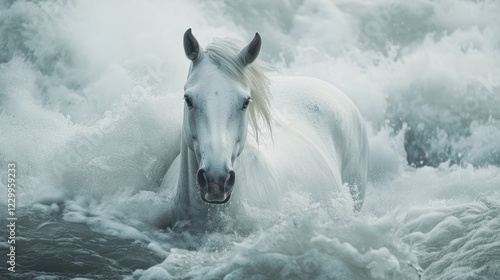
[90,99]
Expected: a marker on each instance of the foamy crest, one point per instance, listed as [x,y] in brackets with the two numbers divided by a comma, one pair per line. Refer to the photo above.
[90,110]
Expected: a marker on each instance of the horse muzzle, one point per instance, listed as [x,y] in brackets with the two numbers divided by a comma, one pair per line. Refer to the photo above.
[215,188]
[215,199]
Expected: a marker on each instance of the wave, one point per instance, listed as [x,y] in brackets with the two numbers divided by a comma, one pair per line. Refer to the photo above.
[90,107]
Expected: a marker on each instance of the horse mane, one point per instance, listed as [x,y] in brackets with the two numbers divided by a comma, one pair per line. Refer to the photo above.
[224,52]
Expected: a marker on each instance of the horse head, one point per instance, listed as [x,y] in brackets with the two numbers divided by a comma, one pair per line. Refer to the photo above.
[216,113]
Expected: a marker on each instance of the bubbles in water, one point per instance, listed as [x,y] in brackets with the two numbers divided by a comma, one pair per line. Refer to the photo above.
[90,109]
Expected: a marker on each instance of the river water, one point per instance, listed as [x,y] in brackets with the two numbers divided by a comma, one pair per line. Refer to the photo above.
[91,92]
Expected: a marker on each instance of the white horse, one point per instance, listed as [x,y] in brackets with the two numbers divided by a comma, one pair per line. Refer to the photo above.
[318,140]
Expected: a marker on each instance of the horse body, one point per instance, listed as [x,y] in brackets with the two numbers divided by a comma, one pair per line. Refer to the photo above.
[326,122]
[318,142]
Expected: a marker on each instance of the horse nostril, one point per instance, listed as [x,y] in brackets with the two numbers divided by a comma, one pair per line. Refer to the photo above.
[202,180]
[232,177]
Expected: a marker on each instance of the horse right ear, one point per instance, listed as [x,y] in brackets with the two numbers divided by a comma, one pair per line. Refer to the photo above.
[250,52]
[191,46]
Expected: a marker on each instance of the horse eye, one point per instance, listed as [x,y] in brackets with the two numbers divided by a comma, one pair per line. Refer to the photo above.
[189,103]
[247,102]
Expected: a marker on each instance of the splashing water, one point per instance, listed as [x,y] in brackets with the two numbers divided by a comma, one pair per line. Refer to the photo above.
[90,107]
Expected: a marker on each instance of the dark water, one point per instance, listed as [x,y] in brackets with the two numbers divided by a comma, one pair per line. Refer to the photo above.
[49,246]
[91,154]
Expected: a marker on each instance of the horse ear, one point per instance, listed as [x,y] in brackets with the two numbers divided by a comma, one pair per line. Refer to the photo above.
[191,46]
[250,52]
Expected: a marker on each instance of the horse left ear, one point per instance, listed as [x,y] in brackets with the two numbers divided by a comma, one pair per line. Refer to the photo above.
[191,46]
[250,52]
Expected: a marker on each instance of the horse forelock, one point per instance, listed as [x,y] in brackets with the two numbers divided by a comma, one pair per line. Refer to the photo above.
[224,52]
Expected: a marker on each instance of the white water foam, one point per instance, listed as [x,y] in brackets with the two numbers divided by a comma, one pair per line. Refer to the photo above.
[90,107]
